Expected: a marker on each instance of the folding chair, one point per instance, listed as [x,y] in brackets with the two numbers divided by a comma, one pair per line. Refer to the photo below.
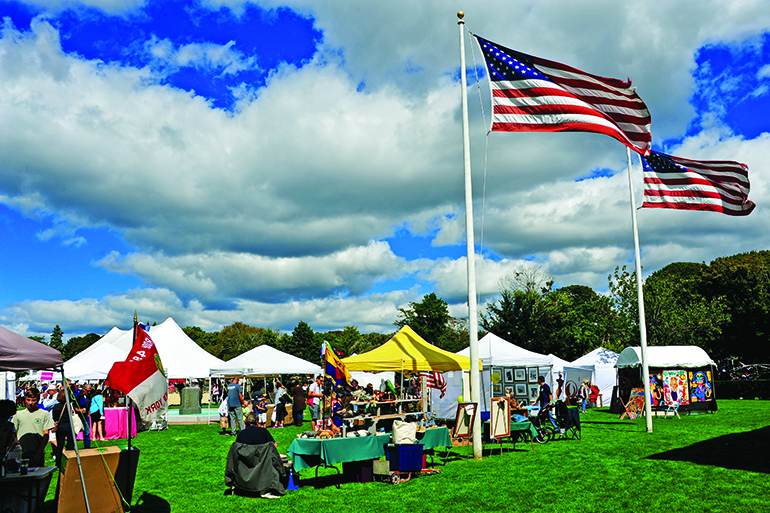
[673,408]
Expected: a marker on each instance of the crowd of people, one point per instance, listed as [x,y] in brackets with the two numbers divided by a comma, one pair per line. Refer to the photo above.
[46,418]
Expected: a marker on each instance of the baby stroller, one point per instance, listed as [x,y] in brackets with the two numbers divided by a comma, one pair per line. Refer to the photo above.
[568,422]
[545,430]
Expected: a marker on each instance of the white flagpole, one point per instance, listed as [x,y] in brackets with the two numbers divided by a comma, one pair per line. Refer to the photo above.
[471,252]
[640,297]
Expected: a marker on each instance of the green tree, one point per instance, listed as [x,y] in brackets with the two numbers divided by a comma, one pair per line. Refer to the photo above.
[208,341]
[57,338]
[77,345]
[623,326]
[743,280]
[302,343]
[676,312]
[369,341]
[431,320]
[515,317]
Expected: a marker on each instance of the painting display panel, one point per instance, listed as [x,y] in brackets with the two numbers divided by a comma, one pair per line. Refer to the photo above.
[701,389]
[675,386]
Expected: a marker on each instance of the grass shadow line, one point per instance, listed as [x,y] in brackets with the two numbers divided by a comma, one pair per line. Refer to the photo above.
[749,450]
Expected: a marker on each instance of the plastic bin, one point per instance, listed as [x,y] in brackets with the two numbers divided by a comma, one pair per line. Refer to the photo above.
[405,457]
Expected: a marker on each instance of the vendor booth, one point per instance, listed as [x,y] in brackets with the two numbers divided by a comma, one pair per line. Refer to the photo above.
[681,374]
[504,366]
[600,364]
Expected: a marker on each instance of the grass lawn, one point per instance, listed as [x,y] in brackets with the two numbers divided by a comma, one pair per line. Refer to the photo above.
[717,462]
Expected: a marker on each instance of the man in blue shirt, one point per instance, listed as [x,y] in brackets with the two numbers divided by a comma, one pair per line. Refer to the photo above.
[235,406]
[544,398]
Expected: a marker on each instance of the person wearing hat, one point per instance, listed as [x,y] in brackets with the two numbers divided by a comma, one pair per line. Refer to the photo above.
[585,391]
[260,408]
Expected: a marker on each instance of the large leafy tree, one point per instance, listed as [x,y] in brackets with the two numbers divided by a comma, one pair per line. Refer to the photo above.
[743,280]
[677,313]
[76,345]
[430,319]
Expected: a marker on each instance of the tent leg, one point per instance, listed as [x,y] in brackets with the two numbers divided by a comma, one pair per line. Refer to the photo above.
[74,438]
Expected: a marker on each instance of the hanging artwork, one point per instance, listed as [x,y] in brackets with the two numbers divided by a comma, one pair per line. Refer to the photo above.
[532,372]
[656,390]
[520,374]
[700,386]
[675,387]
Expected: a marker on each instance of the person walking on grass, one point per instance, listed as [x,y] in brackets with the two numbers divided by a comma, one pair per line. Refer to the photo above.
[235,406]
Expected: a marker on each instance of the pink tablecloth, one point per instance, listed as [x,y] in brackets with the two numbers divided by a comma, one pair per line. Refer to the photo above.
[115,425]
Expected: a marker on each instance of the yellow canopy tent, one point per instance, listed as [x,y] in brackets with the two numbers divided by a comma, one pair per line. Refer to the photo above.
[409,352]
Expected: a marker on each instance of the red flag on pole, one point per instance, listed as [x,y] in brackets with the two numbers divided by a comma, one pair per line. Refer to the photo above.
[142,378]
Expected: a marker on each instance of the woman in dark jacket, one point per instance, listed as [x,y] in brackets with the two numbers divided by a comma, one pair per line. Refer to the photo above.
[63,428]
[297,403]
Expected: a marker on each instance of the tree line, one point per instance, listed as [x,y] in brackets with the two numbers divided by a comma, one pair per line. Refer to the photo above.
[722,307]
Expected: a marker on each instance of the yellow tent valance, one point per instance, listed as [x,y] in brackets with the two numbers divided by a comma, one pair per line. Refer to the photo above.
[407,351]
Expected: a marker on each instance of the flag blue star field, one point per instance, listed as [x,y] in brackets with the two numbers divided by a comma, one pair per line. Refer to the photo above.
[682,184]
[530,94]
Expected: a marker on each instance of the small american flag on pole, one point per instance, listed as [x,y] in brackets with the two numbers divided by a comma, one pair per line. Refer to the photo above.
[435,380]
[530,94]
[683,184]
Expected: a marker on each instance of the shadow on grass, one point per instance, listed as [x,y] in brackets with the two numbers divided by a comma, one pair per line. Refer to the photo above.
[149,503]
[739,451]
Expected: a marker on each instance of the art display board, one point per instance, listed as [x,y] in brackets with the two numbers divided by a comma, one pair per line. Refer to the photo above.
[466,415]
[701,386]
[99,467]
[635,405]
[500,418]
[675,387]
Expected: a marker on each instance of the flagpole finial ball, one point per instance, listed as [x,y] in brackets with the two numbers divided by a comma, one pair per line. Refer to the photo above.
[460,14]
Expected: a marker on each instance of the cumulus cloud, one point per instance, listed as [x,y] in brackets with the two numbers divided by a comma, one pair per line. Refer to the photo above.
[275,212]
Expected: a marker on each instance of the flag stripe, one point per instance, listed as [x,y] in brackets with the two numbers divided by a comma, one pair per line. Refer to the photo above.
[683,184]
[554,97]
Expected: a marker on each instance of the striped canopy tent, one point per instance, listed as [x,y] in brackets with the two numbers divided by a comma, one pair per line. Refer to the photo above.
[407,351]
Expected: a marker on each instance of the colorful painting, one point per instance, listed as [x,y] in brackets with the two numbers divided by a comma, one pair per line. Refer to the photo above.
[700,386]
[520,374]
[635,404]
[521,390]
[534,391]
[656,390]
[675,387]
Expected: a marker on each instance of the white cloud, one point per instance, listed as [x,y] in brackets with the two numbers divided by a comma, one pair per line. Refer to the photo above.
[277,207]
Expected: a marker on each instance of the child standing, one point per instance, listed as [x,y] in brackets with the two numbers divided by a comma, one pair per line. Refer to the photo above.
[261,410]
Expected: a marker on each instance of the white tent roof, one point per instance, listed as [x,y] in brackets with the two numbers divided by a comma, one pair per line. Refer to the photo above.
[95,364]
[494,350]
[666,356]
[181,356]
[264,361]
[599,357]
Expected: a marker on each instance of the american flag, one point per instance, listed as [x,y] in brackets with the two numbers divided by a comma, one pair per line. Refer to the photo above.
[530,94]
[682,184]
[435,380]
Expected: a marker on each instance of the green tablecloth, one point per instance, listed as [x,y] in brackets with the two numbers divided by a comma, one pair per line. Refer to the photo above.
[309,452]
[516,427]
[436,437]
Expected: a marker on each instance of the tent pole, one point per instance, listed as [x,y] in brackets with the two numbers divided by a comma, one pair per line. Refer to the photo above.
[74,437]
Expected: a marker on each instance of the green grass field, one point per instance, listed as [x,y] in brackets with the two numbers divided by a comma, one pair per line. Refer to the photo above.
[716,462]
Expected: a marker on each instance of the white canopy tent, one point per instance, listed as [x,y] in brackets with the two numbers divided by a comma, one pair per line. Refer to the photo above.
[675,357]
[264,361]
[95,364]
[602,363]
[182,358]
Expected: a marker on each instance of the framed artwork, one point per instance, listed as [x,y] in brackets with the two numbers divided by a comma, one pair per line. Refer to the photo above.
[508,376]
[500,418]
[497,375]
[466,415]
[497,389]
[532,375]
[520,374]
[521,390]
[534,390]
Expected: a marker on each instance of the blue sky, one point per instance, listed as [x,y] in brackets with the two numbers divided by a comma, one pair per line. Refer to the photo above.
[270,162]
